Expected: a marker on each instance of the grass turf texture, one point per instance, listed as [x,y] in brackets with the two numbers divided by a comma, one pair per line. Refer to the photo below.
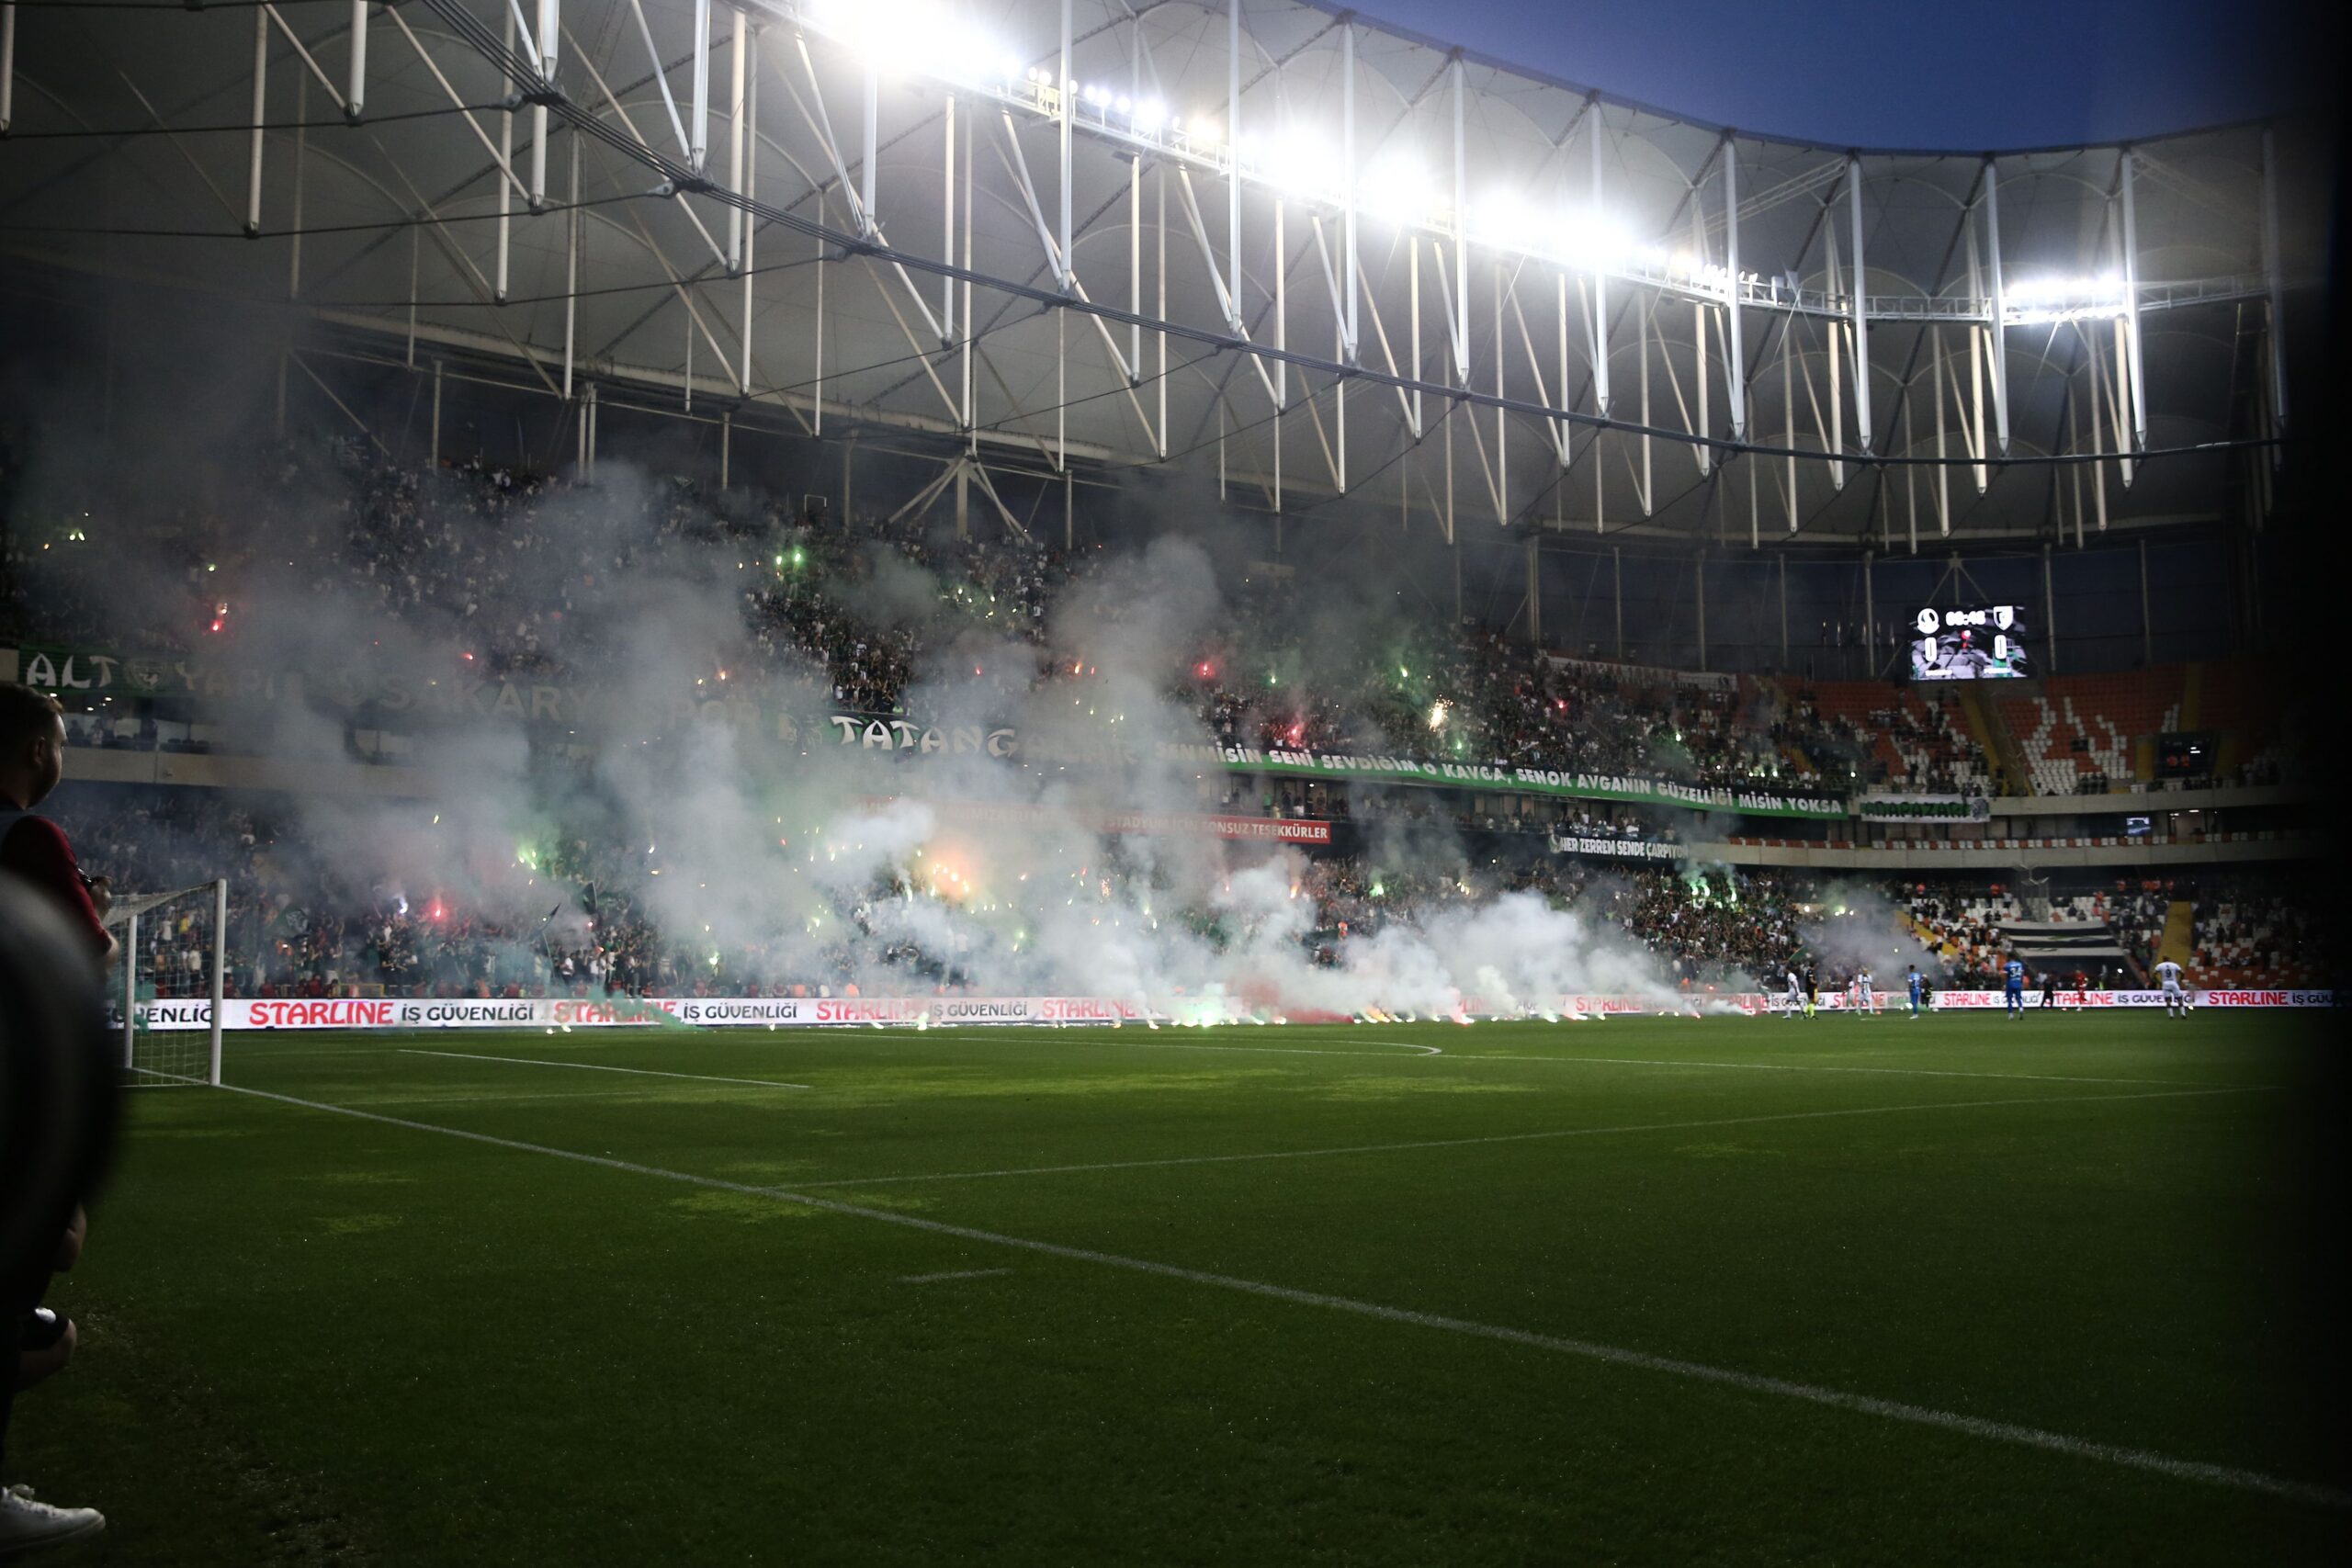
[310,1337]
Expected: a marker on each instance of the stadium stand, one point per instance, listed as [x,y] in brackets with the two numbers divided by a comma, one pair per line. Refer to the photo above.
[2084,734]
[1911,740]
[851,611]
[2249,935]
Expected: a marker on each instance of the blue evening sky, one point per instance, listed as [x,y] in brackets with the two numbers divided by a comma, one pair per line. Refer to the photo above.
[1964,75]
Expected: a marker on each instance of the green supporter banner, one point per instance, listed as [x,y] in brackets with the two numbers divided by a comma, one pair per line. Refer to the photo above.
[1924,808]
[1514,779]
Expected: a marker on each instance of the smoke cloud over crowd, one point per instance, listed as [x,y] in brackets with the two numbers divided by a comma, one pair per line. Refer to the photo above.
[702,789]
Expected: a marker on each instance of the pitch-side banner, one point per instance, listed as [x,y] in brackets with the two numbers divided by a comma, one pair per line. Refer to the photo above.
[1897,1000]
[747,1012]
[2066,998]
[940,1012]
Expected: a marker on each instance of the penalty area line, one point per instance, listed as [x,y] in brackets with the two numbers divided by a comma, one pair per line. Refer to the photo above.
[2142,1460]
[598,1067]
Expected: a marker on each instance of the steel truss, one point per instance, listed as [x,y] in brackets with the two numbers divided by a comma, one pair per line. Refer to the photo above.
[1111,235]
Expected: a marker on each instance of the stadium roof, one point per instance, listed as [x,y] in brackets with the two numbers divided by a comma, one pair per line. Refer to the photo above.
[1566,310]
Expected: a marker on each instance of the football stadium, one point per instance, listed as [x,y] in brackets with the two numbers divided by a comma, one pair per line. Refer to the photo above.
[1148,782]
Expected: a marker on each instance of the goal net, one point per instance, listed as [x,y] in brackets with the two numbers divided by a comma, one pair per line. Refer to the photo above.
[164,989]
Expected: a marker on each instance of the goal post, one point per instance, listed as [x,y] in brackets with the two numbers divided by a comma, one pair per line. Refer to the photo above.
[167,981]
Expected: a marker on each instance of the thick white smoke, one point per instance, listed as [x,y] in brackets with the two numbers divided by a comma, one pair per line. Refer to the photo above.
[895,869]
[1854,927]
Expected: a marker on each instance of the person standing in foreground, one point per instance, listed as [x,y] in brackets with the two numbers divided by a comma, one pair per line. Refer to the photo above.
[38,1342]
[1919,989]
[2175,1000]
[2013,987]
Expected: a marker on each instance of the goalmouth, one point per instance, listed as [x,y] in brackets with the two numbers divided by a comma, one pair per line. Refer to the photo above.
[174,947]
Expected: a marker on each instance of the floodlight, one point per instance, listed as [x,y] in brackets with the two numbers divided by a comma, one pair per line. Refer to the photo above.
[1150,114]
[1395,190]
[1595,243]
[2051,297]
[1300,162]
[1501,218]
[879,30]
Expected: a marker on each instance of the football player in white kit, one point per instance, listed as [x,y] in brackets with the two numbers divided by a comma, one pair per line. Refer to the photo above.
[2175,999]
[1868,991]
[1796,993]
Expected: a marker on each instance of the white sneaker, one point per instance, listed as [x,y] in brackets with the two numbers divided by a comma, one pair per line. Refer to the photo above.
[26,1525]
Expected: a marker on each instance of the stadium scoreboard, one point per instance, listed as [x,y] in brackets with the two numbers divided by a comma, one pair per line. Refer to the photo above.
[1982,642]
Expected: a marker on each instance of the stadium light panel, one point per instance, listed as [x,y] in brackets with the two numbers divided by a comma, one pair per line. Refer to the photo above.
[1395,189]
[2057,298]
[924,36]
[1300,162]
[2106,288]
[1502,219]
[1595,243]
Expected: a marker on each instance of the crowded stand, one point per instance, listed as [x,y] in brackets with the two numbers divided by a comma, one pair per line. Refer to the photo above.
[855,614]
[1905,740]
[302,925]
[2246,934]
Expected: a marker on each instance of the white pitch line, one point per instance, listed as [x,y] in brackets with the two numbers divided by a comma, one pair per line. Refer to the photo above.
[952,1274]
[1508,1137]
[523,1099]
[598,1067]
[2142,1460]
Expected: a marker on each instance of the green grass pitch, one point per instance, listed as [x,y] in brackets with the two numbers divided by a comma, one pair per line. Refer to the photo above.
[1574,1293]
